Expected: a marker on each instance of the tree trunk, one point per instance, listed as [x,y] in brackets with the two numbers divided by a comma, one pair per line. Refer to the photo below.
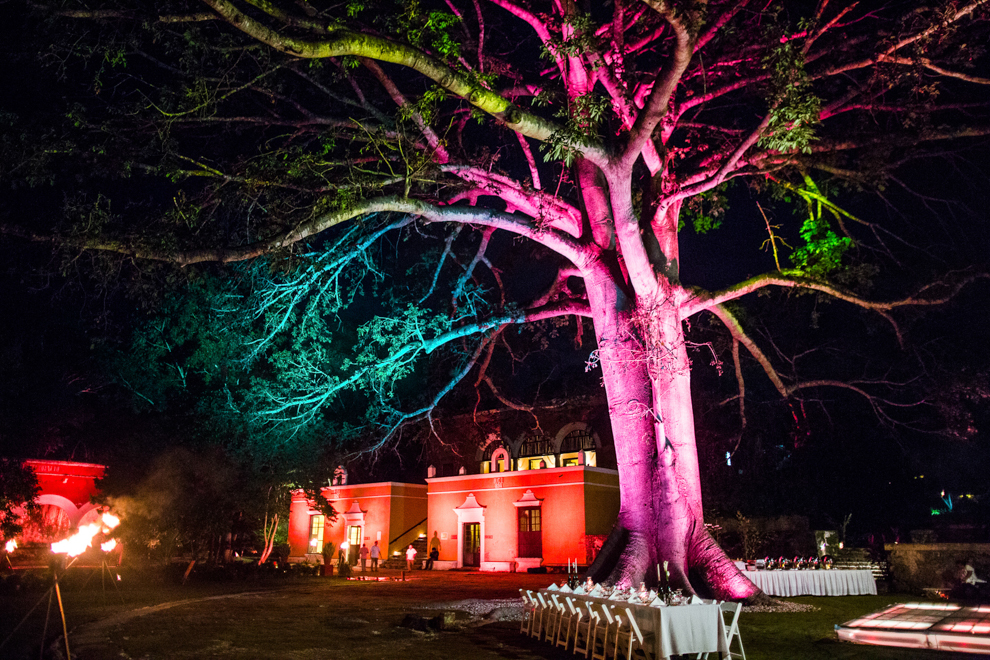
[646,372]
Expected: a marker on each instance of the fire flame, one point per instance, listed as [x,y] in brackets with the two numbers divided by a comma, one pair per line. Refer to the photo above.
[11,545]
[76,544]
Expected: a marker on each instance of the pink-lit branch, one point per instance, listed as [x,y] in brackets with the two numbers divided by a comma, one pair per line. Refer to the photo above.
[440,154]
[543,206]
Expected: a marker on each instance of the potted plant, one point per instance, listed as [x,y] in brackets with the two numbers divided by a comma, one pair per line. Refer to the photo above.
[327,553]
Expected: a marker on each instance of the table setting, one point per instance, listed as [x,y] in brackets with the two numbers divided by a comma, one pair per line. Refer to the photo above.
[807,577]
[675,623]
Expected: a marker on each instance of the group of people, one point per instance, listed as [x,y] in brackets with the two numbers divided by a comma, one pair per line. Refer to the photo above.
[375,553]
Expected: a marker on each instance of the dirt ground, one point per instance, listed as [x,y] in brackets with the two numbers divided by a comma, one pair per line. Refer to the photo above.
[311,618]
[328,618]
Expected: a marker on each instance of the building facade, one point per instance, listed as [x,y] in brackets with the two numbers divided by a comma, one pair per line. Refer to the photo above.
[393,514]
[506,491]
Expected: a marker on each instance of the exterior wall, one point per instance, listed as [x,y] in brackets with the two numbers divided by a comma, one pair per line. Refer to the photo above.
[67,485]
[388,508]
[575,501]
[916,566]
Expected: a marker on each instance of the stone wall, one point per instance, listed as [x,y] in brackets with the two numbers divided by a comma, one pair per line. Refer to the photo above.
[917,566]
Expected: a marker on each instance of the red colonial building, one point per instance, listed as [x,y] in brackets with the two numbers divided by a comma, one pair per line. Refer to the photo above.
[506,495]
[393,514]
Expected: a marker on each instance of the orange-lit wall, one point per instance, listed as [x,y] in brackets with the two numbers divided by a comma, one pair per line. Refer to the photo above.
[575,501]
[388,507]
[74,481]
[67,485]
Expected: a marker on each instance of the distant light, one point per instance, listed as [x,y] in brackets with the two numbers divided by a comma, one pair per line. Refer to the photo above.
[422,536]
[109,545]
[11,545]
[728,458]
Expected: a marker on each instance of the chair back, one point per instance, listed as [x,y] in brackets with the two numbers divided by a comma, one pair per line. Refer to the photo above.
[633,626]
[730,615]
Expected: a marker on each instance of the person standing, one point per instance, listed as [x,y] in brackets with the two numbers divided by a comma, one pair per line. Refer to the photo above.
[410,557]
[376,554]
[364,557]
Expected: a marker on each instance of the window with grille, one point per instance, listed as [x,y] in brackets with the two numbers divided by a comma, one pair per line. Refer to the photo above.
[580,440]
[536,445]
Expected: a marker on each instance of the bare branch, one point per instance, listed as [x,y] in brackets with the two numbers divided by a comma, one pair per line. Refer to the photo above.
[552,239]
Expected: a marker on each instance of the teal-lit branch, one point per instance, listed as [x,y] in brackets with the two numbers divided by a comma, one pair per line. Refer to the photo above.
[406,341]
[279,300]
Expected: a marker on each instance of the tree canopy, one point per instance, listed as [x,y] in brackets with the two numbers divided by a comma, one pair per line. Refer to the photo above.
[323,138]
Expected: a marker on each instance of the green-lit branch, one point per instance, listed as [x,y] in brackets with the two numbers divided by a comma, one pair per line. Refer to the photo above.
[341,42]
[557,241]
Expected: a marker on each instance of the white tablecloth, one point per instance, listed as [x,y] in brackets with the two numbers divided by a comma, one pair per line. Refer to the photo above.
[814,583]
[681,629]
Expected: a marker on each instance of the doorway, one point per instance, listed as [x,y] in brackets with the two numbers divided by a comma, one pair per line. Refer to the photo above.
[472,544]
[353,544]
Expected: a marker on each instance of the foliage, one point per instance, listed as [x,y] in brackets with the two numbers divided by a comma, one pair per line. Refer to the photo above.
[18,490]
[198,501]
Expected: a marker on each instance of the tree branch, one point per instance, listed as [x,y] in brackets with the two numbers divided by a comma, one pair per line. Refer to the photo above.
[340,42]
[552,239]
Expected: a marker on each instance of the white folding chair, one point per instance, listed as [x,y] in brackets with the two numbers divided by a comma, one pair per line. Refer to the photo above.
[552,618]
[730,614]
[730,617]
[566,623]
[604,624]
[584,630]
[528,610]
[541,616]
[628,637]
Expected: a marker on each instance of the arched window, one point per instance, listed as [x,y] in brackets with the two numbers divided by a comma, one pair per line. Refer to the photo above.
[536,452]
[499,453]
[578,448]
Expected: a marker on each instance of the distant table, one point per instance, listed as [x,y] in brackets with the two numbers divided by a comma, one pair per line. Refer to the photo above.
[814,582]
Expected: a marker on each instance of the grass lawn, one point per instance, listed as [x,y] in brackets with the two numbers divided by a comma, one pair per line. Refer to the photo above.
[811,635]
[313,617]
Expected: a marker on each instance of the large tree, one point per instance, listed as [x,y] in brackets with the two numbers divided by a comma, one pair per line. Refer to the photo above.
[593,131]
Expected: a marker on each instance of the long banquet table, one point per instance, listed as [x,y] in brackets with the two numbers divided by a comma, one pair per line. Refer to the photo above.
[676,629]
[814,583]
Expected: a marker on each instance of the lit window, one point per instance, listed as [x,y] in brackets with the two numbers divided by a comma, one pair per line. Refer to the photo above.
[574,444]
[316,525]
